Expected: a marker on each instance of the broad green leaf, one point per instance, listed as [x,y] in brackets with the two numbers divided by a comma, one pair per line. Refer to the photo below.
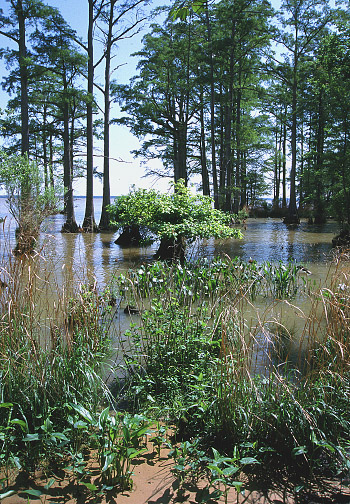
[32,437]
[249,460]
[32,493]
[90,486]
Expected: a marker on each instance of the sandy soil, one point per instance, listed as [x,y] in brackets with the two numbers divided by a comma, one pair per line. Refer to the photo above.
[154,483]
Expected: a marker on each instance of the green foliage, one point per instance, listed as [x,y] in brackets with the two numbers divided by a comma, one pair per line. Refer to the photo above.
[37,380]
[28,200]
[172,216]
[212,279]
[191,359]
[180,355]
[183,11]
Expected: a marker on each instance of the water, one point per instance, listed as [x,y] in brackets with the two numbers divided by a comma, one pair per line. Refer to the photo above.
[98,256]
[95,258]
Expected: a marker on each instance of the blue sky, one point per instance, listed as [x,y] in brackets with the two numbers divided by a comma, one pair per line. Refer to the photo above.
[125,170]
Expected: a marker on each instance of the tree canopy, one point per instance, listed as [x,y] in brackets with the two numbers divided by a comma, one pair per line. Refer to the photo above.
[239,98]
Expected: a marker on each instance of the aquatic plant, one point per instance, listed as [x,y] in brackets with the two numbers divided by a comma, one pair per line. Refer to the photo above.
[293,414]
[209,279]
[46,362]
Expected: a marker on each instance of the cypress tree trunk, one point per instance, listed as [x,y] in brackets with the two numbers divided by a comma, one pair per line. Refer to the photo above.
[70,226]
[23,71]
[89,224]
[284,163]
[205,175]
[106,200]
[212,111]
[320,216]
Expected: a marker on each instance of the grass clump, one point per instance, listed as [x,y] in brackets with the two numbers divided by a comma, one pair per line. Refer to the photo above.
[194,360]
[202,355]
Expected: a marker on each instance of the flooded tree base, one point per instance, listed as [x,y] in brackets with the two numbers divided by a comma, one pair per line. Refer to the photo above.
[71,227]
[170,250]
[291,219]
[130,236]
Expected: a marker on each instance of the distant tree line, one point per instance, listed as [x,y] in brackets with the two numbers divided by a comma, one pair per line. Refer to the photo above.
[249,99]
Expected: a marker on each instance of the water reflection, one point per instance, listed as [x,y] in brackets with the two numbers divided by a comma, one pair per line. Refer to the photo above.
[97,256]
[271,240]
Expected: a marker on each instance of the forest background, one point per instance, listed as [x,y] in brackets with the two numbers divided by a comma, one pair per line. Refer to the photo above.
[239,97]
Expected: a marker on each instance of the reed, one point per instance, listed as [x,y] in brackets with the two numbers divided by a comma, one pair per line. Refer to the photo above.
[52,349]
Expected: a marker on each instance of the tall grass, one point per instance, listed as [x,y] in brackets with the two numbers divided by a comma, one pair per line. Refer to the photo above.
[53,347]
[202,353]
[197,357]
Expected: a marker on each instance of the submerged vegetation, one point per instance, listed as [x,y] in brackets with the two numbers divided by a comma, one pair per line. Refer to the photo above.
[246,395]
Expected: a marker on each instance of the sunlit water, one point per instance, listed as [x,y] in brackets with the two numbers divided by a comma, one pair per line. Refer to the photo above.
[96,258]
[264,240]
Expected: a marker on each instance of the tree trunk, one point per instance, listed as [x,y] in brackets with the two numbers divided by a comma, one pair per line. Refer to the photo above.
[171,250]
[212,112]
[205,175]
[237,190]
[180,168]
[89,224]
[228,128]
[244,179]
[292,217]
[284,162]
[106,200]
[70,226]
[320,217]
[23,71]
[222,151]
[129,237]
[52,180]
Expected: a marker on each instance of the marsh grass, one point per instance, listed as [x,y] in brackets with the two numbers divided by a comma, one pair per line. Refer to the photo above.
[278,393]
[245,387]
[53,347]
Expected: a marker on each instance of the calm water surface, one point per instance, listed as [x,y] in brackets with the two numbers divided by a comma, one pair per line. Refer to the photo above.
[98,255]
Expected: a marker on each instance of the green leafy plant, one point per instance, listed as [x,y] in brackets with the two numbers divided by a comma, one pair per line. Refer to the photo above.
[173,218]
[28,200]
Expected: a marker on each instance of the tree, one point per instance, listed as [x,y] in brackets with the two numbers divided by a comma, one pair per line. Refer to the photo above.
[117,26]
[334,84]
[162,100]
[302,21]
[59,57]
[176,219]
[14,27]
[95,7]
[29,213]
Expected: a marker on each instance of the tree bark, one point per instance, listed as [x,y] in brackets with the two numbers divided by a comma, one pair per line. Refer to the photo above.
[320,216]
[293,217]
[89,224]
[70,226]
[212,111]
[23,71]
[106,199]
[205,175]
